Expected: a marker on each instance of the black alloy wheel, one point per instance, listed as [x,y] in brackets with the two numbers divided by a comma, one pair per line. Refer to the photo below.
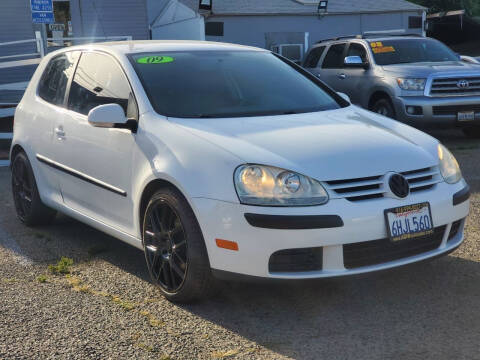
[22,188]
[28,205]
[165,245]
[174,247]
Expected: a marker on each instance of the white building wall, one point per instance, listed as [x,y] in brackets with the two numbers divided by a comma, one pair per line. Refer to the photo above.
[250,30]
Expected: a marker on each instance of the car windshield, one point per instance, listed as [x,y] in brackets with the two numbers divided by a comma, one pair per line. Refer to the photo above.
[203,84]
[404,51]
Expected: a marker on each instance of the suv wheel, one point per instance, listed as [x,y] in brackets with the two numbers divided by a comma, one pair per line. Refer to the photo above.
[384,107]
[174,248]
[28,205]
[472,132]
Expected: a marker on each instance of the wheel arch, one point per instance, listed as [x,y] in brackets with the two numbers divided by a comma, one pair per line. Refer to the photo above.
[150,188]
[378,95]
[14,151]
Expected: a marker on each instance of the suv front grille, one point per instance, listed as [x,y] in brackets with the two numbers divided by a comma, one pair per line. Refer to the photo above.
[453,110]
[374,188]
[376,252]
[449,87]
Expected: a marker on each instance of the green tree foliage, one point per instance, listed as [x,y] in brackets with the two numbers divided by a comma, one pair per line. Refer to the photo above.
[472,6]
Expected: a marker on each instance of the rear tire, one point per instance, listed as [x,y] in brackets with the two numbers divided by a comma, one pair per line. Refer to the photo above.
[472,132]
[384,107]
[28,205]
[174,247]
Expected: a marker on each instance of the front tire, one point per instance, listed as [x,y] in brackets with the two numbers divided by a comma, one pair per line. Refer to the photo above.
[174,248]
[384,107]
[28,205]
[472,132]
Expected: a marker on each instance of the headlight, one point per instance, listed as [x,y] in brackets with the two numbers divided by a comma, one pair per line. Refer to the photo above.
[271,186]
[448,166]
[412,84]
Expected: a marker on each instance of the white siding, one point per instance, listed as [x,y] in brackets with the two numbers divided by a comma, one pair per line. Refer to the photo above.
[250,30]
[16,24]
[109,18]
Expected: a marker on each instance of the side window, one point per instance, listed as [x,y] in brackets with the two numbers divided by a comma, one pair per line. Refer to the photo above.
[214,28]
[314,56]
[98,81]
[334,58]
[357,50]
[54,80]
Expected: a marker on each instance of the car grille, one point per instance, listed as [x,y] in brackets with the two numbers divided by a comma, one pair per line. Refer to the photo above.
[448,86]
[376,252]
[455,109]
[374,188]
[296,260]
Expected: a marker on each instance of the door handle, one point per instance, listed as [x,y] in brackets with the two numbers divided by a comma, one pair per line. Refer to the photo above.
[342,76]
[60,133]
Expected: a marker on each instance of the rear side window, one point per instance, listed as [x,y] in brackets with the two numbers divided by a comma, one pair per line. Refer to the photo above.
[98,81]
[55,78]
[314,57]
[334,58]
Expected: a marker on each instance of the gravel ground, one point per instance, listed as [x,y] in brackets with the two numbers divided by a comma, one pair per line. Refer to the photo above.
[108,309]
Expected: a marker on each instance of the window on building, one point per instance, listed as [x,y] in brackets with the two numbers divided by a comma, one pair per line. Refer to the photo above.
[293,52]
[214,28]
[357,50]
[415,22]
[314,57]
[334,58]
[98,81]
[55,78]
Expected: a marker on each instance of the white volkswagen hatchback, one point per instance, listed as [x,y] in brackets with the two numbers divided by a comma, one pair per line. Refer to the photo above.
[221,160]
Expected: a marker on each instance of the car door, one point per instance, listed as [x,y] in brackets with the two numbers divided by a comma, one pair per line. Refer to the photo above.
[95,162]
[332,67]
[355,82]
[49,106]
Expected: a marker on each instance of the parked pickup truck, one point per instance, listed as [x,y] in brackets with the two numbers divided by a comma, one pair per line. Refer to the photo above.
[413,79]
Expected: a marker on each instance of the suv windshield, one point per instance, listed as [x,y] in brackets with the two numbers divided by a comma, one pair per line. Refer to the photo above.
[404,51]
[202,84]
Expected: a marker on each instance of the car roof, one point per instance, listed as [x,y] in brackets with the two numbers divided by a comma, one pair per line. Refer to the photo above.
[369,39]
[145,46]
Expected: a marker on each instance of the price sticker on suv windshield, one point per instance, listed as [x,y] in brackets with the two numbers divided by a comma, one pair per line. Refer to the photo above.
[379,48]
[155,59]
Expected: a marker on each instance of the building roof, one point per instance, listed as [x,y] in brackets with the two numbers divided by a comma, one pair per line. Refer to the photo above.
[303,7]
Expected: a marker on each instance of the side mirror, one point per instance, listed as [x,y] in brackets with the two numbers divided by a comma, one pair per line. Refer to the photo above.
[355,62]
[344,96]
[107,116]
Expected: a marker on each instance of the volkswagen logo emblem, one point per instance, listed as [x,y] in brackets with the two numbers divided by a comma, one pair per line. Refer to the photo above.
[399,186]
[463,84]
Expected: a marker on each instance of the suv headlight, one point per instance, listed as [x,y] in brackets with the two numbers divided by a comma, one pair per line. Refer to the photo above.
[412,84]
[448,166]
[271,186]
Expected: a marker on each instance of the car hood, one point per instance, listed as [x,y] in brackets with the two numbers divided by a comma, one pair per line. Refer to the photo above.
[329,145]
[425,69]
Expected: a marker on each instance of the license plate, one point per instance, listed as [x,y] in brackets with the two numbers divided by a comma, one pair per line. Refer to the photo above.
[466,116]
[409,222]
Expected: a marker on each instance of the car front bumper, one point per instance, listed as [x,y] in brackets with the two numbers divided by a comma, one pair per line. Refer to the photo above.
[437,111]
[363,222]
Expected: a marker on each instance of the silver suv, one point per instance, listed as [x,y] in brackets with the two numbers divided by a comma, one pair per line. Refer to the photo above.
[413,79]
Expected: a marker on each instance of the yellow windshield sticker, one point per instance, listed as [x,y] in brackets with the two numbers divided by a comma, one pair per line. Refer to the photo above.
[383,49]
[155,59]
